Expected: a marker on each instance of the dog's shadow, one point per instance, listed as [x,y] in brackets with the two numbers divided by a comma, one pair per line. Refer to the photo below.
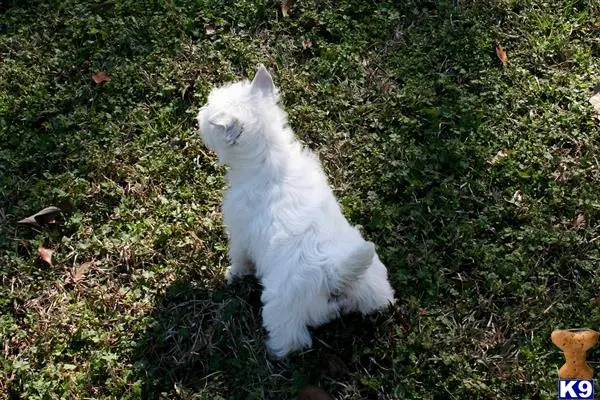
[210,343]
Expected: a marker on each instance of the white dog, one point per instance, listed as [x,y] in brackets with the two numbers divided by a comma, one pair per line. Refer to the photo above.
[284,223]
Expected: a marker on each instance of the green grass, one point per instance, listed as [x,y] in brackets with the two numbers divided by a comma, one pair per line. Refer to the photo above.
[406,104]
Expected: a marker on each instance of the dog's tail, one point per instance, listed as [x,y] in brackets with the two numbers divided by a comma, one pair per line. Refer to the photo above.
[353,266]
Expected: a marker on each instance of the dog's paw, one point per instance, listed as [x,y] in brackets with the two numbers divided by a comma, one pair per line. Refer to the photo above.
[229,275]
[281,344]
[235,271]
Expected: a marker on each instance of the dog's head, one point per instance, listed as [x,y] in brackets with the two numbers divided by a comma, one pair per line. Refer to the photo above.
[235,114]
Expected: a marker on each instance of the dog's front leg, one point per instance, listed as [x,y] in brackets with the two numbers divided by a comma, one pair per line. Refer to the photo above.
[240,262]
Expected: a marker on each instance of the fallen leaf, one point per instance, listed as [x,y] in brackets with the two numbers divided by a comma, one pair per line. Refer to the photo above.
[45,216]
[46,254]
[499,156]
[210,29]
[595,102]
[597,300]
[388,87]
[501,53]
[100,77]
[306,44]
[579,221]
[313,393]
[285,8]
[76,274]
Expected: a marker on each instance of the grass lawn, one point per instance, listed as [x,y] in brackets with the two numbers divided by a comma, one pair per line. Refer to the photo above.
[478,181]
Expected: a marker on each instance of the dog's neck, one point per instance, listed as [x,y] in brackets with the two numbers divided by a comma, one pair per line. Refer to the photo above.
[268,166]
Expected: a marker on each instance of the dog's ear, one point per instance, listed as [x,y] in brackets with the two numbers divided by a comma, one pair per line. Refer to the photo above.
[263,83]
[231,125]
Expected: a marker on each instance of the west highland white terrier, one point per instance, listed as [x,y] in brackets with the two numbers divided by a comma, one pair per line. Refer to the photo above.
[283,221]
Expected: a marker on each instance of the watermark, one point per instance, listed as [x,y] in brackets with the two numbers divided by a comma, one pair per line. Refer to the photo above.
[575,389]
[575,375]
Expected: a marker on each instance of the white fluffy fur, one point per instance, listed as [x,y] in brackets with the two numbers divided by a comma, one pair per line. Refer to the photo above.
[284,223]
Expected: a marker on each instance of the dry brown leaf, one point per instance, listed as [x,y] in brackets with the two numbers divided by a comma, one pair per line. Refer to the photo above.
[595,102]
[101,77]
[45,254]
[501,53]
[285,8]
[45,216]
[210,29]
[499,156]
[76,274]
[597,301]
[306,44]
[313,393]
[579,221]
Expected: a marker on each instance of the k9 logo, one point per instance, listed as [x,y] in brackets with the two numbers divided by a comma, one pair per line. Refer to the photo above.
[576,389]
